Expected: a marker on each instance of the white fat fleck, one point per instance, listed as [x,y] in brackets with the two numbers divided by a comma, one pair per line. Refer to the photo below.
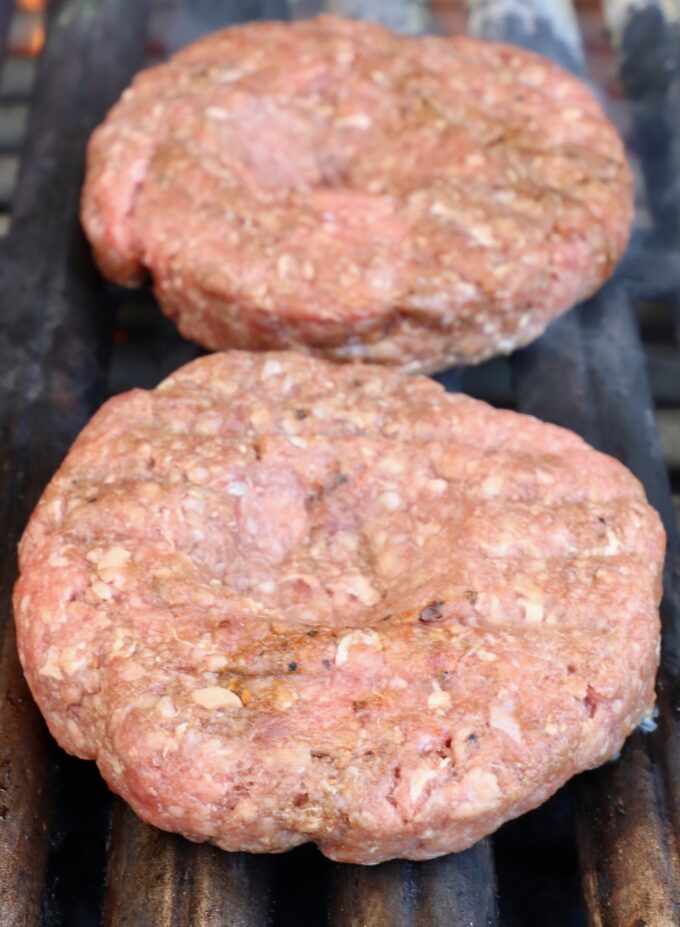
[73,661]
[57,560]
[237,489]
[271,368]
[284,266]
[112,562]
[51,666]
[194,503]
[481,787]
[418,781]
[438,698]
[486,656]
[198,474]
[502,718]
[474,160]
[215,662]
[369,638]
[398,683]
[391,465]
[165,707]
[390,500]
[229,76]
[216,697]
[613,544]
[533,610]
[359,587]
[284,698]
[354,121]
[56,508]
[493,609]
[131,671]
[176,811]
[492,486]
[437,486]
[441,209]
[482,235]
[217,113]
[102,591]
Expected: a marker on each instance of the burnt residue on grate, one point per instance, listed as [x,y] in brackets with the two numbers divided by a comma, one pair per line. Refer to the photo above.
[587,372]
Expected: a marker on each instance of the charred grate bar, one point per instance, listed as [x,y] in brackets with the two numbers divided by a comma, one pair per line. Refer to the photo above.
[587,373]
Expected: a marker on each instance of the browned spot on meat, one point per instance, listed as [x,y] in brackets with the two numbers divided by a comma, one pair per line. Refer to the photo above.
[591,701]
[445,750]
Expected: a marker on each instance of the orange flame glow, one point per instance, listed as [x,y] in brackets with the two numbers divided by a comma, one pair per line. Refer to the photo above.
[32,6]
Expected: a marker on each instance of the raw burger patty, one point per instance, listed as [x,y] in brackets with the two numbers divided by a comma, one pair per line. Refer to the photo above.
[282,600]
[336,188]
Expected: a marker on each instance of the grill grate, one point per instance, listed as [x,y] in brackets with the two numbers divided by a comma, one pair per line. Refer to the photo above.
[588,373]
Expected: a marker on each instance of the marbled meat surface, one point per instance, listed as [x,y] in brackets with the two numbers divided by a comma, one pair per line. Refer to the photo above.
[332,187]
[281,600]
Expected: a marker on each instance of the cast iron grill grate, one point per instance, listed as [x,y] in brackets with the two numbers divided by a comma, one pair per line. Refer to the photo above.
[605,851]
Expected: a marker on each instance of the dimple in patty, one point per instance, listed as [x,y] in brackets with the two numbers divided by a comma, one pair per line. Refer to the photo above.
[283,600]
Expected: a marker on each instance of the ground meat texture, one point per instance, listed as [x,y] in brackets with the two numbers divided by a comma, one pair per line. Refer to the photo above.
[332,187]
[281,600]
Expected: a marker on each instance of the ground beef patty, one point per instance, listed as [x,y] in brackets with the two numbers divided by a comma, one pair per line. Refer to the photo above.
[336,188]
[282,600]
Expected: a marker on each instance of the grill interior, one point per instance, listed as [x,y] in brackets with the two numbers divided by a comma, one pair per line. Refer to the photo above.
[604,852]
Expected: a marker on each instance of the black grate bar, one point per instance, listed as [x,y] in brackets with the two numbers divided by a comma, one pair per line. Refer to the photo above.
[157,879]
[628,851]
[458,889]
[454,889]
[370,897]
[51,377]
[6,13]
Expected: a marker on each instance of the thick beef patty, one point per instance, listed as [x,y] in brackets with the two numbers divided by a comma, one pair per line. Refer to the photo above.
[335,188]
[282,600]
